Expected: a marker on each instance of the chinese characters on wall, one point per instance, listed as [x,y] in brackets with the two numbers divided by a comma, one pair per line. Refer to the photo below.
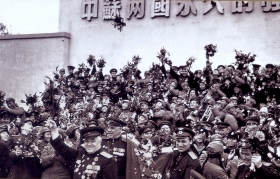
[136,8]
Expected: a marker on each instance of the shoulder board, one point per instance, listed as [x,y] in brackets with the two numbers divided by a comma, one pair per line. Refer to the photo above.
[267,164]
[124,139]
[192,155]
[105,154]
[104,137]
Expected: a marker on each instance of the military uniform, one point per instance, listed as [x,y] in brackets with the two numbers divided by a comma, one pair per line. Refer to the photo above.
[88,166]
[117,147]
[180,165]
[263,172]
[4,160]
[26,165]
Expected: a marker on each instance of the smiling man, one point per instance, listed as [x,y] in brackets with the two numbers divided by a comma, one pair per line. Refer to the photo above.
[183,159]
[25,162]
[115,145]
[91,160]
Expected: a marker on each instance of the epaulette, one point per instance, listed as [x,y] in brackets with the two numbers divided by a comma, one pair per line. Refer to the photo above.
[267,164]
[124,139]
[192,155]
[104,137]
[105,154]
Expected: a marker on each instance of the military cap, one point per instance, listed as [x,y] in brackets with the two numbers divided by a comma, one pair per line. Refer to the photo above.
[202,130]
[202,80]
[224,98]
[23,121]
[236,85]
[256,66]
[92,122]
[231,66]
[175,68]
[153,124]
[234,135]
[71,129]
[253,118]
[100,84]
[269,66]
[146,128]
[77,72]
[150,83]
[182,66]
[62,70]
[116,122]
[208,124]
[144,115]
[146,73]
[91,132]
[10,100]
[160,100]
[214,147]
[232,98]
[216,80]
[162,123]
[174,81]
[3,128]
[230,105]
[91,86]
[198,72]
[106,94]
[71,67]
[113,70]
[222,125]
[182,132]
[221,66]
[216,137]
[43,130]
[126,101]
[144,101]
[181,97]
[245,143]
[195,99]
[97,95]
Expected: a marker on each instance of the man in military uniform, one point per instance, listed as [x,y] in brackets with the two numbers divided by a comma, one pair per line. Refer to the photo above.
[13,109]
[115,145]
[183,159]
[251,165]
[91,160]
[113,73]
[25,153]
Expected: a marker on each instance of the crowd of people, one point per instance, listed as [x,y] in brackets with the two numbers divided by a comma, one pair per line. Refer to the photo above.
[171,123]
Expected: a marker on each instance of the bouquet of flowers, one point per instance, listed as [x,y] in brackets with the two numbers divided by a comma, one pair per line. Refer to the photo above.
[210,50]
[242,58]
[82,67]
[136,59]
[91,59]
[101,63]
[164,56]
[190,61]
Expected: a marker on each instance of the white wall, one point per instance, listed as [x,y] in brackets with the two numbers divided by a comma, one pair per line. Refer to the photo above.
[256,32]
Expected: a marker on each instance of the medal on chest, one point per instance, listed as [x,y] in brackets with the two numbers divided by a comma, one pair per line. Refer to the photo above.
[89,170]
[118,151]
